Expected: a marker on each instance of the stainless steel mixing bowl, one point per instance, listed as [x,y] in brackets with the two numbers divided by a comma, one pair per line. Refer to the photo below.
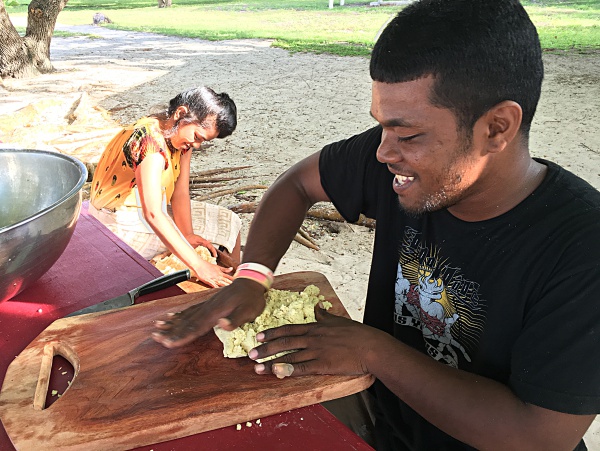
[40,201]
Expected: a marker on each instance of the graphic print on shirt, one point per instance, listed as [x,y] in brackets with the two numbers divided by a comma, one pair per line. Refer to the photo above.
[434,297]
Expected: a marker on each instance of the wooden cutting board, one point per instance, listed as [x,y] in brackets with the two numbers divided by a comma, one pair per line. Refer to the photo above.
[130,391]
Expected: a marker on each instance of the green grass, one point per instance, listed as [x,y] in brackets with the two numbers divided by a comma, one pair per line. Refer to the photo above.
[63,34]
[567,25]
[309,25]
[69,34]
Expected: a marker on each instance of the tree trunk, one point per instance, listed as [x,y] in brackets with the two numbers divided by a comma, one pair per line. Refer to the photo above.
[41,20]
[14,61]
[30,55]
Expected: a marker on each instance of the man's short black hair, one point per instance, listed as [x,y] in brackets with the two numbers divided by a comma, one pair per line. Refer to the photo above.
[481,52]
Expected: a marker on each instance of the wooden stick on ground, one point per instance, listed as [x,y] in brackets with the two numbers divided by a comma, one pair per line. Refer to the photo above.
[217,171]
[119,108]
[202,179]
[300,239]
[244,207]
[224,192]
[200,186]
[307,236]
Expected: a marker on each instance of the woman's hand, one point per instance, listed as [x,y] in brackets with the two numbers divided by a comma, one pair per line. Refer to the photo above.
[197,240]
[212,275]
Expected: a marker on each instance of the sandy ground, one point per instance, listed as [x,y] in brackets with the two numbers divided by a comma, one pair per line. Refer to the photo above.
[289,107]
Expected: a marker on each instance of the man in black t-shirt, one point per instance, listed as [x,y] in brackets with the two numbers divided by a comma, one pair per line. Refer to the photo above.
[482,309]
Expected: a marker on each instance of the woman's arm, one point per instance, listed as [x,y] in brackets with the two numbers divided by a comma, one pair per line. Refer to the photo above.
[182,211]
[180,200]
[148,176]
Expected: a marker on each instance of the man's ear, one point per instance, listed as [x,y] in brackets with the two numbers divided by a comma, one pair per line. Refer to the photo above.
[180,112]
[502,123]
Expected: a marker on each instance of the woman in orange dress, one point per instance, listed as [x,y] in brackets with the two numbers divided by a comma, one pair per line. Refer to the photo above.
[140,189]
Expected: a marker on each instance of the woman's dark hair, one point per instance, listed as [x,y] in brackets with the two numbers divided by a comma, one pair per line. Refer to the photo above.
[480,52]
[202,103]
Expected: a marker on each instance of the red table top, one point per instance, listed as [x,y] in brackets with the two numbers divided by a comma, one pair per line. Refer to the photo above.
[96,266]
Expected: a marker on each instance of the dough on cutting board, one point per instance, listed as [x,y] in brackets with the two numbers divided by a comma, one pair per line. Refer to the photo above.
[283,307]
[170,263]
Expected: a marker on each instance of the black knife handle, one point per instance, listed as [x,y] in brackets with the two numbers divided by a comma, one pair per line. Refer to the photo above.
[160,283]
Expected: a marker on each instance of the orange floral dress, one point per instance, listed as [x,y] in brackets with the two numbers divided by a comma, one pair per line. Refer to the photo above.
[115,203]
[114,179]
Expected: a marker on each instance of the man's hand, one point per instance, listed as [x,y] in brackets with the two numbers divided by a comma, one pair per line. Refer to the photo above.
[197,240]
[332,345]
[230,307]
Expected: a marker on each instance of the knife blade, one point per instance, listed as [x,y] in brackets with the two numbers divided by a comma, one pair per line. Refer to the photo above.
[129,298]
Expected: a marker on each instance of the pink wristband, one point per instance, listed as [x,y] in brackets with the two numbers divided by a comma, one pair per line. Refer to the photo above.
[263,279]
[257,267]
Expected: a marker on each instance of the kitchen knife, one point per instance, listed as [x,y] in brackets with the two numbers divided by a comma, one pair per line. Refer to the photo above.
[129,298]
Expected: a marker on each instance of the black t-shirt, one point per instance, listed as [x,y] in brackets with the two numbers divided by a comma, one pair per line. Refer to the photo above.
[514,298]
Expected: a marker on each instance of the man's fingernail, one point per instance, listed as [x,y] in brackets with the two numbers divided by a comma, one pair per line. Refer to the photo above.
[223,322]
[282,370]
[260,336]
[253,354]
[160,323]
[259,368]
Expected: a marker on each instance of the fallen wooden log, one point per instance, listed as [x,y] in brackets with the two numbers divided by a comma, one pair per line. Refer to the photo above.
[315,212]
[333,215]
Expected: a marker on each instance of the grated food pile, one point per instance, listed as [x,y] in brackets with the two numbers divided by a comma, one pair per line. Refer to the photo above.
[283,307]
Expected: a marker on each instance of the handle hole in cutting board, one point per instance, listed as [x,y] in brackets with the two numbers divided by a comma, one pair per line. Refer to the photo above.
[58,370]
[61,376]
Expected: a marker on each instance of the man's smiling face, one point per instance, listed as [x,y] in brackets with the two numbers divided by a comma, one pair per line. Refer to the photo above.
[435,163]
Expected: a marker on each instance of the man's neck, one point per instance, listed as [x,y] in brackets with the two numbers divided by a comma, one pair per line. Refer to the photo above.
[502,190]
